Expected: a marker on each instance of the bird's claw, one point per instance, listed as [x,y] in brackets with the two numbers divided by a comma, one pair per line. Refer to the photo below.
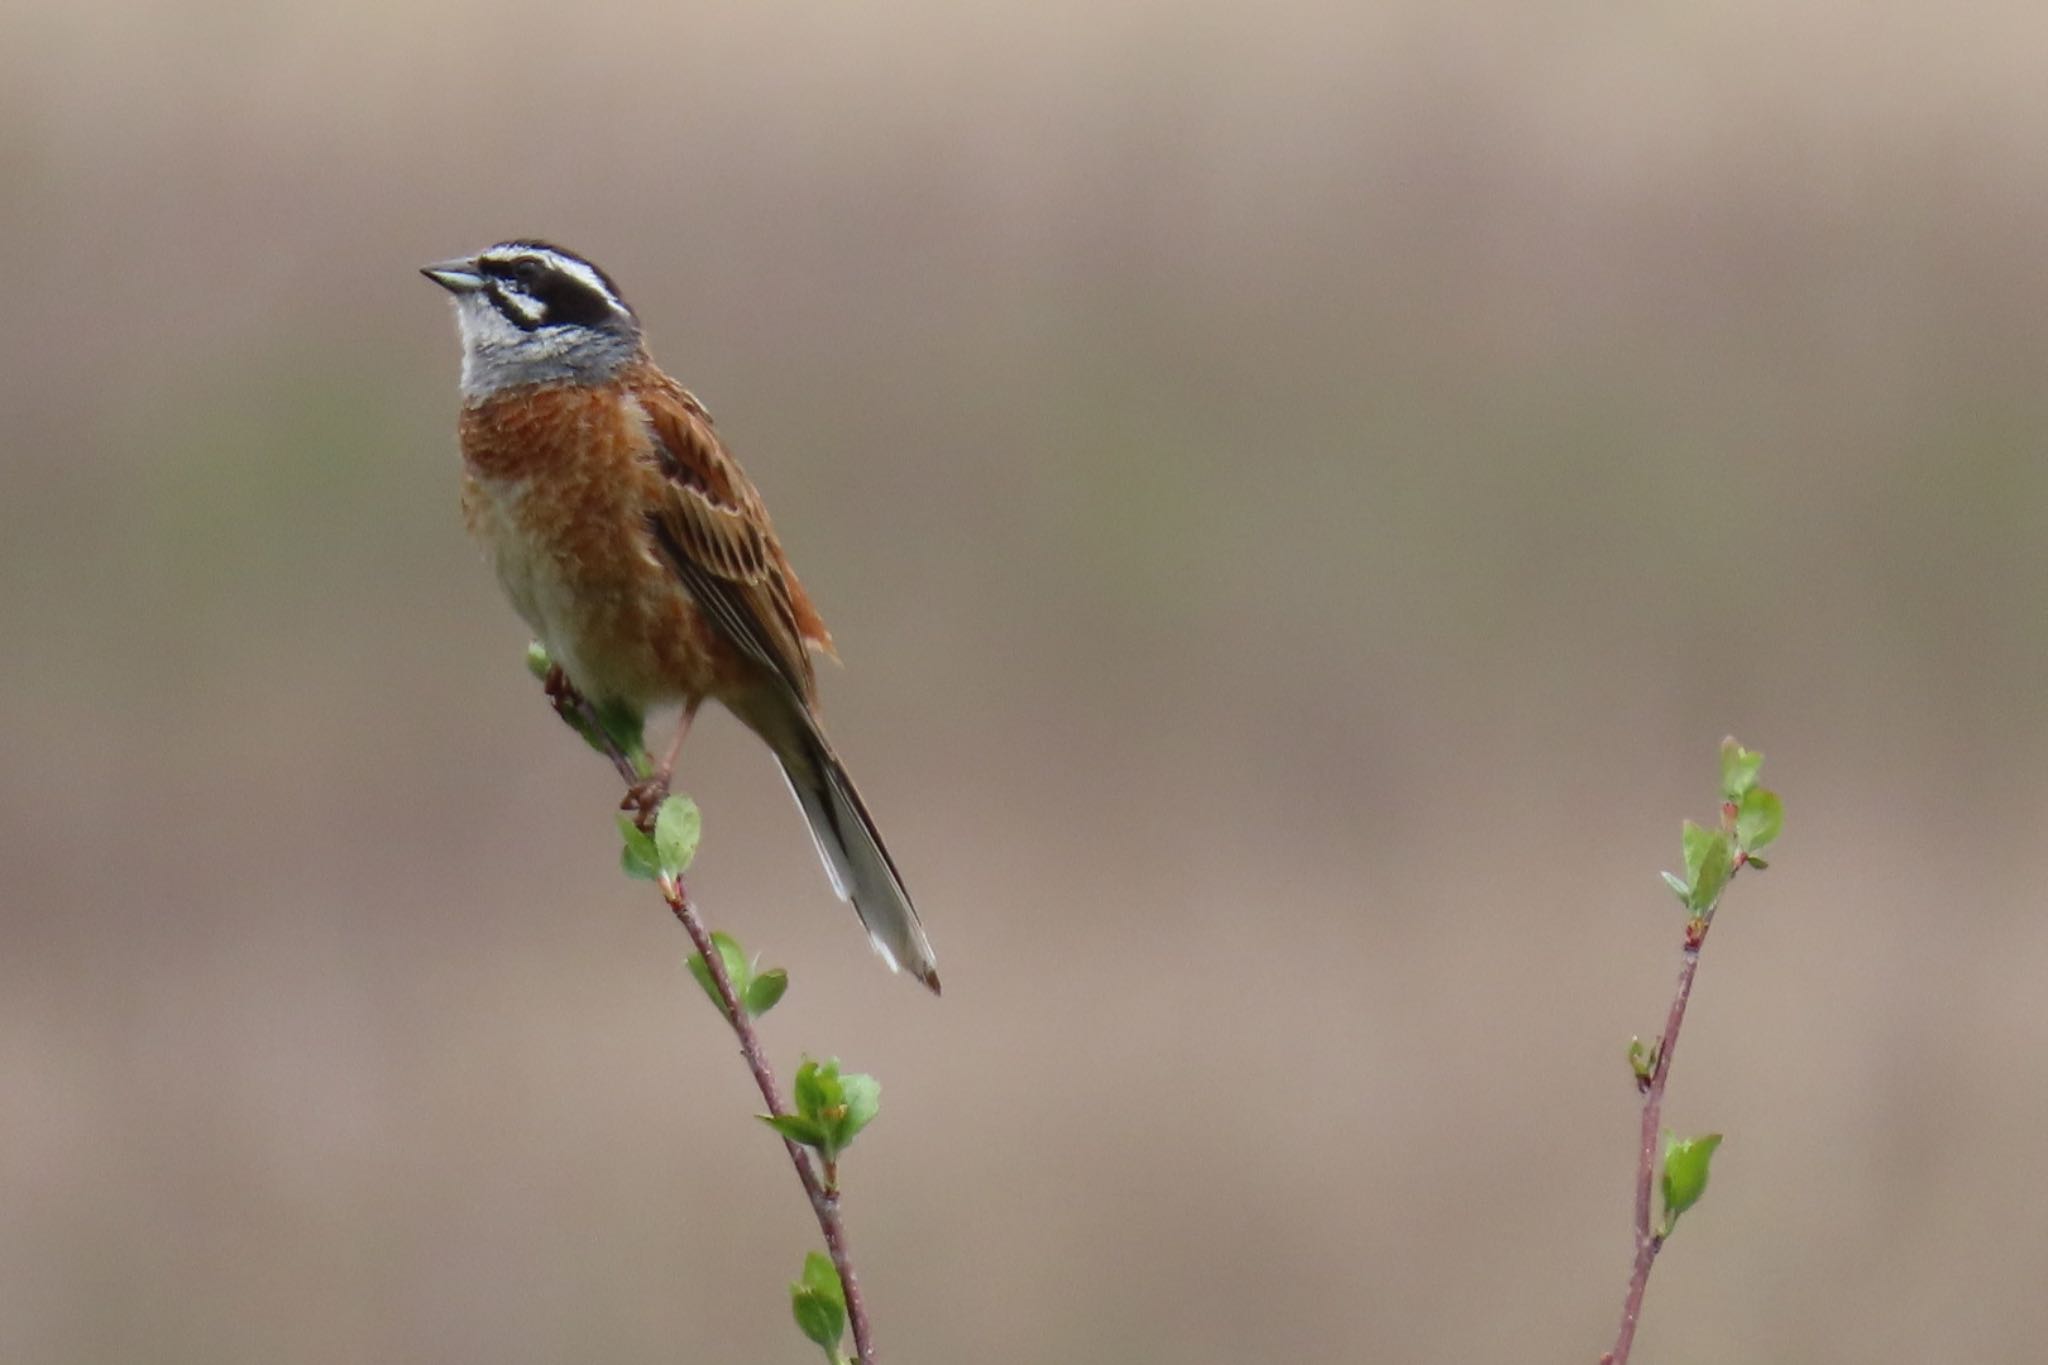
[643,800]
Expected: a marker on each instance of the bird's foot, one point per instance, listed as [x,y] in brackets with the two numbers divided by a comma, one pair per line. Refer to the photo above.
[644,798]
[561,693]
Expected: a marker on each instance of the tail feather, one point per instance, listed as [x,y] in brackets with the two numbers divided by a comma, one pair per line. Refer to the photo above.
[851,848]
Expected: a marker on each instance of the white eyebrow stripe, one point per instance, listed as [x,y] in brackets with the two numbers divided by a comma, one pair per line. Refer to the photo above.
[568,265]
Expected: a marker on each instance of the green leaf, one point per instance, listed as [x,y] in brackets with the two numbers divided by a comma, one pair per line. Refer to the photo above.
[1685,1174]
[863,1101]
[818,1302]
[1642,1058]
[677,827]
[821,1097]
[636,838]
[1678,887]
[1715,871]
[626,725]
[637,857]
[734,959]
[733,956]
[537,661]
[1759,820]
[703,975]
[805,1089]
[582,725]
[765,989]
[822,1278]
[633,865]
[817,1088]
[1711,862]
[818,1320]
[1739,768]
[1694,841]
[797,1128]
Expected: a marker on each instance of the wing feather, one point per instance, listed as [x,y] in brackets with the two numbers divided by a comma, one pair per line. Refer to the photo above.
[715,532]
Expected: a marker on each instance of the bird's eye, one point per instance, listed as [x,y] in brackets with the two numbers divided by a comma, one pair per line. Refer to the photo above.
[527,270]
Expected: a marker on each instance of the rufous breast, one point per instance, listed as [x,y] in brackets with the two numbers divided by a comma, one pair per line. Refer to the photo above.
[558,485]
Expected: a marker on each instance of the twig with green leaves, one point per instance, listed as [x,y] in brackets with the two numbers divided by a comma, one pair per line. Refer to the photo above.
[1751,818]
[831,1107]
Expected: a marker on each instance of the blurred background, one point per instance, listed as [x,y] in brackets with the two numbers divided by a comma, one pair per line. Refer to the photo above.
[1300,490]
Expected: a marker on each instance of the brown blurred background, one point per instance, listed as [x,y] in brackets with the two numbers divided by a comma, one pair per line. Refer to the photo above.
[1300,490]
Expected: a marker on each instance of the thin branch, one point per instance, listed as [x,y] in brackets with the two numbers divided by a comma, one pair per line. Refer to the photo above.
[1648,1241]
[824,1197]
[822,1192]
[1752,818]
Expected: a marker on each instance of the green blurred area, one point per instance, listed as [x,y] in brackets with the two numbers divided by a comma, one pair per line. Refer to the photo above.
[1300,492]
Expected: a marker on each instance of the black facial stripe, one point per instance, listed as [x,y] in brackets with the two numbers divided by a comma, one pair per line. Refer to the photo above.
[570,301]
[565,300]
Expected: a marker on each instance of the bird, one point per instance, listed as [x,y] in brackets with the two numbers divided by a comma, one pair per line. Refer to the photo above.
[630,541]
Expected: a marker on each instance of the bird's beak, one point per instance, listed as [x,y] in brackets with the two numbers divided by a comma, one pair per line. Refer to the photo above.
[457,277]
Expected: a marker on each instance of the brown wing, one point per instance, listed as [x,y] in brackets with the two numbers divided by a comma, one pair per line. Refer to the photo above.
[715,531]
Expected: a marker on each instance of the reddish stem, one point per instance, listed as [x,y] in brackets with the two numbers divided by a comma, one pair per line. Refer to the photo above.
[824,1195]
[1649,1241]
[824,1200]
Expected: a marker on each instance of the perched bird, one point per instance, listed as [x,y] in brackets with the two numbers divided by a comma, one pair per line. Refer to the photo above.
[638,551]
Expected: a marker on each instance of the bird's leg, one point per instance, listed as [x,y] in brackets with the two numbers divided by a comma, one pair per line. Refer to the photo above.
[583,717]
[644,797]
[643,801]
[675,746]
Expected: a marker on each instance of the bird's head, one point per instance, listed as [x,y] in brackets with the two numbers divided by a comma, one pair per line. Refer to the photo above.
[532,313]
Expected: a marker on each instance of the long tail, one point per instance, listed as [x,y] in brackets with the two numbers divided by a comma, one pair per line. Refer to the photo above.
[860,867]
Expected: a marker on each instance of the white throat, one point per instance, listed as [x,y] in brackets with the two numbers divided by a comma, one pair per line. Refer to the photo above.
[497,354]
